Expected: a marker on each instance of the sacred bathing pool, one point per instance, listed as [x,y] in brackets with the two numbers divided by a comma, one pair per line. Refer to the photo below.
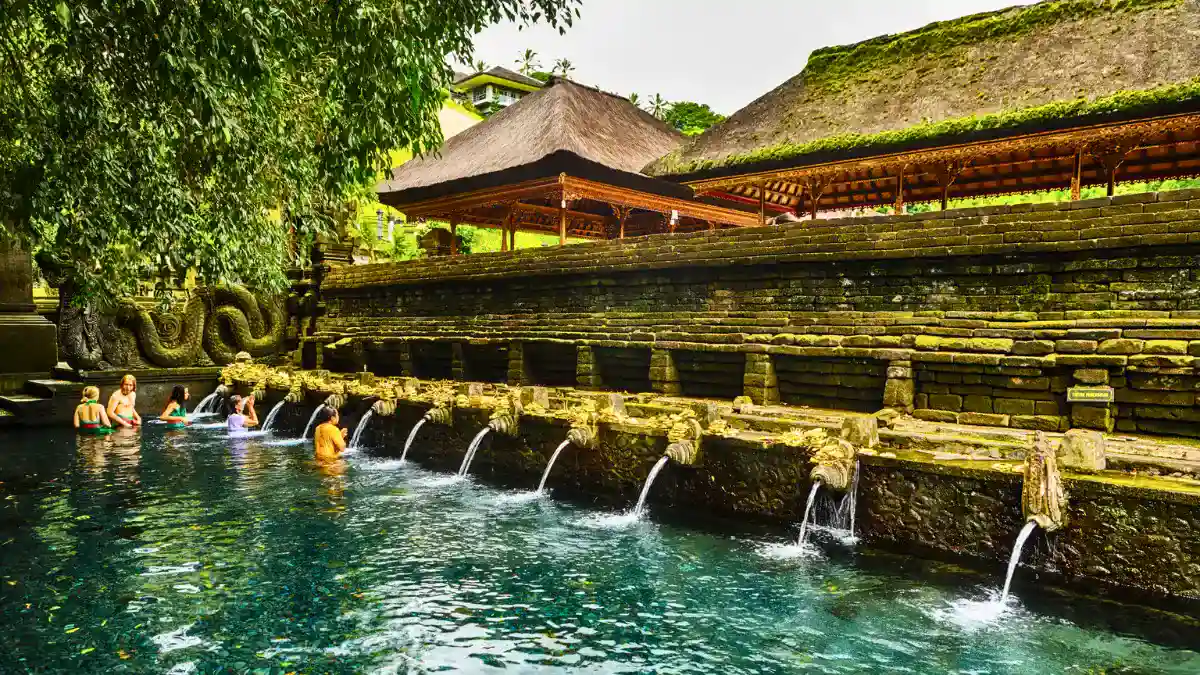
[747,348]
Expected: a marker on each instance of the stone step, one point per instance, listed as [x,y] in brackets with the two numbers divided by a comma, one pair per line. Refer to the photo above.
[26,406]
[49,388]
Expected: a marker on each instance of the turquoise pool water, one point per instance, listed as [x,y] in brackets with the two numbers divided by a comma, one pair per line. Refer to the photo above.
[189,552]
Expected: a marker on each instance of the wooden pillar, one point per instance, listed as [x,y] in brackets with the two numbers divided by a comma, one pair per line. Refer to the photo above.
[562,222]
[621,226]
[762,203]
[512,236]
[504,233]
[1077,176]
[712,225]
[945,196]
[454,236]
[900,193]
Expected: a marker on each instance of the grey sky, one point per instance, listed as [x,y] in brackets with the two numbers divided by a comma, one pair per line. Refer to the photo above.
[718,52]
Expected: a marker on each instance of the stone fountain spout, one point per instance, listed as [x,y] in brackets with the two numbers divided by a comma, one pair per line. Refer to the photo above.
[1042,497]
[336,401]
[834,464]
[506,423]
[683,441]
[384,407]
[583,436]
[442,415]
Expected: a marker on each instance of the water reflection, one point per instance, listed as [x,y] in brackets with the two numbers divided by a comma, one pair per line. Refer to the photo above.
[160,553]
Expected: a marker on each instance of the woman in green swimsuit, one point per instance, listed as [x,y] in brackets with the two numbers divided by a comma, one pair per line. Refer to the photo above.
[90,416]
[176,411]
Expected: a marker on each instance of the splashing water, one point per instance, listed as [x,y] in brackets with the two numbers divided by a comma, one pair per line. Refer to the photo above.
[471,450]
[312,418]
[362,424]
[1015,558]
[271,415]
[641,503]
[411,435]
[203,407]
[812,496]
[550,465]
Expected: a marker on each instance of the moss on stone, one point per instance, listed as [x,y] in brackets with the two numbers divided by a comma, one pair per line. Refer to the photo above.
[1120,102]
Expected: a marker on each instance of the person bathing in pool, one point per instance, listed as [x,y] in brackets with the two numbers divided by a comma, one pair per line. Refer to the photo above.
[122,405]
[175,413]
[330,441]
[243,416]
[90,416]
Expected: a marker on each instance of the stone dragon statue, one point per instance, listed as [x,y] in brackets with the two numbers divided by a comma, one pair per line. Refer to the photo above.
[211,327]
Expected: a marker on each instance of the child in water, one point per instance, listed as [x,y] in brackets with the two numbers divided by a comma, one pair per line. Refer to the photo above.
[175,414]
[90,416]
[243,416]
[122,404]
[330,441]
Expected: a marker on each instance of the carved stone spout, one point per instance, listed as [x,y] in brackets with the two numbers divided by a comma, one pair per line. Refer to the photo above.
[583,437]
[683,452]
[1042,498]
[336,401]
[834,460]
[442,415]
[684,441]
[295,392]
[384,407]
[505,423]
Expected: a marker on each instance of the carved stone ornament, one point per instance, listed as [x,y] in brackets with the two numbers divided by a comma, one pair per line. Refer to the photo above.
[1042,498]
[834,460]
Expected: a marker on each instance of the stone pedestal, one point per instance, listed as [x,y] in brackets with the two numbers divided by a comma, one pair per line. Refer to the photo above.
[587,372]
[759,381]
[664,376]
[900,389]
[517,373]
[28,342]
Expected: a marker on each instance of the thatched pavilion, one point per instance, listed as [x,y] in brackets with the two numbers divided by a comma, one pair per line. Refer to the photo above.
[566,160]
[1051,96]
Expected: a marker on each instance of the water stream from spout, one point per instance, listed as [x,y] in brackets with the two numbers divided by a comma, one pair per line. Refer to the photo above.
[812,496]
[641,503]
[411,435]
[1016,557]
[271,415]
[203,407]
[471,450]
[312,418]
[358,430]
[550,465]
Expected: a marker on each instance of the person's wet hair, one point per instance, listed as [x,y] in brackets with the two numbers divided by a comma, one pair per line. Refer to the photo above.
[327,413]
[177,393]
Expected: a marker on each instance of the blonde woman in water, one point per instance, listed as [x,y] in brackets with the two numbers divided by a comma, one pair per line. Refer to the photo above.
[122,405]
[90,416]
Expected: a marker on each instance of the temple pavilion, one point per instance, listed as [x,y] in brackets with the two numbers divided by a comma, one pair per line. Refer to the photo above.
[564,160]
[1053,96]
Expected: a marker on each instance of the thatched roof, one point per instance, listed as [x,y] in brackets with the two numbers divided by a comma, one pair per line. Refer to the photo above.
[500,72]
[1049,65]
[563,128]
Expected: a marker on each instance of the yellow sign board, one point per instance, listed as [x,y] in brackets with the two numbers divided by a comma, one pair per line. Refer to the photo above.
[1090,395]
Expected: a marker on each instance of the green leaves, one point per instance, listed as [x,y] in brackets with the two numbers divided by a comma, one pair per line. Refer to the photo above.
[136,139]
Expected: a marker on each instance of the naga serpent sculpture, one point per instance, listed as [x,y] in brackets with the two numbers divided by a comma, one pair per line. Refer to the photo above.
[213,325]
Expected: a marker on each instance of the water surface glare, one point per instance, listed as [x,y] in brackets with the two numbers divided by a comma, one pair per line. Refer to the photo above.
[186,552]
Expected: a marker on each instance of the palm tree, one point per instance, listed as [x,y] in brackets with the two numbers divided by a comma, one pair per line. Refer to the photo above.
[658,106]
[634,99]
[479,66]
[527,62]
[563,67]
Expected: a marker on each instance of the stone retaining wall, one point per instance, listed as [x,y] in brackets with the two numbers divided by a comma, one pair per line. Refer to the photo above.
[983,316]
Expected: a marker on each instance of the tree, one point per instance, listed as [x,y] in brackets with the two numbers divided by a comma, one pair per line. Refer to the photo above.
[541,75]
[138,138]
[527,62]
[479,66]
[658,106]
[635,99]
[691,118]
[563,67]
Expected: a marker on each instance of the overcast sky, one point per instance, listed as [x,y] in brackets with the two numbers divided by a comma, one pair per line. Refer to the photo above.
[718,52]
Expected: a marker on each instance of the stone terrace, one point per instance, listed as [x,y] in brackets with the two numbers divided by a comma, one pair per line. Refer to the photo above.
[979,316]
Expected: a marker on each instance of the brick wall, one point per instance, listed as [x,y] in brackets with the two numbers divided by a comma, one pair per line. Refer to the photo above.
[986,315]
